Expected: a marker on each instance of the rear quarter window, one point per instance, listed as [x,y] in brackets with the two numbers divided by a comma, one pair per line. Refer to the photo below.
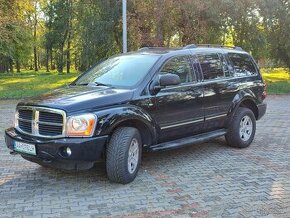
[243,65]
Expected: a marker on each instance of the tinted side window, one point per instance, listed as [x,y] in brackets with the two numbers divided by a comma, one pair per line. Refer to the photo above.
[211,65]
[180,66]
[226,69]
[242,64]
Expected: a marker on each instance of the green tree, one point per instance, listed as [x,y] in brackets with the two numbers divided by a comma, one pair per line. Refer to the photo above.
[62,33]
[59,23]
[276,19]
[15,38]
[244,24]
[99,30]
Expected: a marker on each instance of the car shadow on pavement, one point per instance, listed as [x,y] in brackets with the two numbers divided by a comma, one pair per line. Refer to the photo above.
[40,179]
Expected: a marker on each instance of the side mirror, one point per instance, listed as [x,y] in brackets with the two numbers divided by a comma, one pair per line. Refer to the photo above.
[163,81]
[169,80]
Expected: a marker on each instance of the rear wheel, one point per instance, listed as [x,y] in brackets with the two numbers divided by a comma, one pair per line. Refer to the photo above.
[124,155]
[242,129]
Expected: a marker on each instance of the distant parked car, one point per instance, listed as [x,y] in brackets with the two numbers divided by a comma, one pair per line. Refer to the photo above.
[153,99]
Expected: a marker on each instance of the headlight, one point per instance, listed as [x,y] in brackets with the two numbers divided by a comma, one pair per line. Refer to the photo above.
[82,125]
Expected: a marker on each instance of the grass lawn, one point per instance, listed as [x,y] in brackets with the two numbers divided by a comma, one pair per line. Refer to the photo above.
[278,80]
[27,84]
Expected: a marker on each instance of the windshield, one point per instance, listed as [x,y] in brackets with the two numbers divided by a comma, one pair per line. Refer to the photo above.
[122,71]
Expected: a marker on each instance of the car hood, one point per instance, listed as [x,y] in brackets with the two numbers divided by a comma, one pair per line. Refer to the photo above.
[78,98]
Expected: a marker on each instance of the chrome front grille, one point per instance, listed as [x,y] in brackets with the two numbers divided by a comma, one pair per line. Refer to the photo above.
[25,114]
[41,122]
[48,117]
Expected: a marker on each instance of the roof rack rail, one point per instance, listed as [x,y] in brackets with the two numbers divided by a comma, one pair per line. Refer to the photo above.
[149,48]
[190,46]
[212,46]
[239,48]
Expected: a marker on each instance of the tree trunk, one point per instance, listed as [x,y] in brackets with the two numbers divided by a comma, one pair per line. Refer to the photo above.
[68,61]
[76,63]
[2,64]
[31,64]
[168,41]
[184,26]
[35,38]
[160,37]
[61,55]
[18,66]
[52,65]
[117,38]
[11,65]
[68,57]
[38,61]
[47,60]
[60,61]
[35,59]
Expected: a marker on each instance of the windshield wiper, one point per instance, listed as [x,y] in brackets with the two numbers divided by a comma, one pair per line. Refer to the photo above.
[92,84]
[80,84]
[100,84]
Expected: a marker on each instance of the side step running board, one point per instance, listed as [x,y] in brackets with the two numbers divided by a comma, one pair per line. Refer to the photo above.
[201,138]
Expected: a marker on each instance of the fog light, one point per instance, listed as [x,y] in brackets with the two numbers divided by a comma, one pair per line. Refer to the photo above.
[68,151]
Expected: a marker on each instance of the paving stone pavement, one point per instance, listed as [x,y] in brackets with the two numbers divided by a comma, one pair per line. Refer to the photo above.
[206,180]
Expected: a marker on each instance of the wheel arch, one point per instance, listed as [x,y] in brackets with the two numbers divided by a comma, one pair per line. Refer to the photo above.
[133,116]
[250,104]
[245,99]
[146,133]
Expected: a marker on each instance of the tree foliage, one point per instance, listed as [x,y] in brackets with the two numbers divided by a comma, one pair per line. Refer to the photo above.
[65,33]
[14,36]
[276,20]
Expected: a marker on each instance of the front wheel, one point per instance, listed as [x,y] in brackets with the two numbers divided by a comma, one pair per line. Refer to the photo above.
[242,130]
[124,152]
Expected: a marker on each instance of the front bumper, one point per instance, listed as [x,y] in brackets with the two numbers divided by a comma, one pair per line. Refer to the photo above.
[261,110]
[84,151]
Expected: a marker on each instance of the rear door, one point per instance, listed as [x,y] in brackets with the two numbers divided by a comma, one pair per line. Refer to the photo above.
[179,108]
[219,88]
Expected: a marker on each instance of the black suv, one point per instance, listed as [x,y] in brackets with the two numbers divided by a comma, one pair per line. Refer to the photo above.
[154,99]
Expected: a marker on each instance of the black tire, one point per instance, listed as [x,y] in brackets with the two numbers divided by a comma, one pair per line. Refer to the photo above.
[117,155]
[233,137]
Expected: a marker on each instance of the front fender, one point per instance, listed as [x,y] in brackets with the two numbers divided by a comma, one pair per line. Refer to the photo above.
[109,119]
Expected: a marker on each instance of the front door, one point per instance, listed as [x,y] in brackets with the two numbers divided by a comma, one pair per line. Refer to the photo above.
[179,108]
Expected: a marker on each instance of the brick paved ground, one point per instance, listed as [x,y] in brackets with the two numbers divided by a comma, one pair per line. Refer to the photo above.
[208,180]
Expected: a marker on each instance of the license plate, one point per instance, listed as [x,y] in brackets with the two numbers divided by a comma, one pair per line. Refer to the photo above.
[23,147]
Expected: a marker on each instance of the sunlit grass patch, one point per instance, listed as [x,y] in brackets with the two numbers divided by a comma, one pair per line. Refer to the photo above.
[278,80]
[276,74]
[17,80]
[27,84]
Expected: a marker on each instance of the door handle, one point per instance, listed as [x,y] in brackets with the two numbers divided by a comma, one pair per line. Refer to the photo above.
[233,87]
[194,93]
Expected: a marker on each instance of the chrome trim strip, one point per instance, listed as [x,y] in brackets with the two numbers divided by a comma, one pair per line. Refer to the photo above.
[35,121]
[191,122]
[206,82]
[16,117]
[215,117]
[182,124]
[24,120]
[35,118]
[50,124]
[183,85]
